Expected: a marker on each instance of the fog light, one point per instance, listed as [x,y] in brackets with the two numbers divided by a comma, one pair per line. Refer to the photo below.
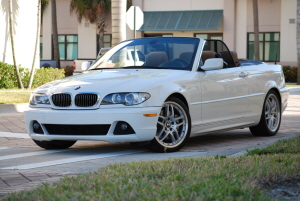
[37,128]
[124,126]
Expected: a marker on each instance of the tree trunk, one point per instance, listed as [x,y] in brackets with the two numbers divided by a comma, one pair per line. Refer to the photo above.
[101,23]
[298,40]
[55,34]
[118,11]
[256,30]
[36,44]
[13,46]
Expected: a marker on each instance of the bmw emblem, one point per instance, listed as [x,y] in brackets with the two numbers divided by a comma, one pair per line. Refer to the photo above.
[77,87]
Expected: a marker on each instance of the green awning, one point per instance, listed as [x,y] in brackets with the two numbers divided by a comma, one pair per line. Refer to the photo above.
[182,20]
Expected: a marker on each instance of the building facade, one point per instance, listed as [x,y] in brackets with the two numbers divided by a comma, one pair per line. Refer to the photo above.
[228,20]
[24,21]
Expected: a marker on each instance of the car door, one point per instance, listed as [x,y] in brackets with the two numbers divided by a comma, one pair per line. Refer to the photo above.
[225,98]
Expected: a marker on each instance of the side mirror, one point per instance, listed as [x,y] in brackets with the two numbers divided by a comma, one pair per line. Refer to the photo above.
[213,64]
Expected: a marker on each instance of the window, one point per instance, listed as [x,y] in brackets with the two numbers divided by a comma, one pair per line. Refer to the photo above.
[269,46]
[215,36]
[68,47]
[41,47]
[106,40]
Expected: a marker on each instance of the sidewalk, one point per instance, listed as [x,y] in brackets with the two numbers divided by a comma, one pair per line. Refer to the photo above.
[223,143]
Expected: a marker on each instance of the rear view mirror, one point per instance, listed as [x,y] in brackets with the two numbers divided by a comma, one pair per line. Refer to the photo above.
[213,64]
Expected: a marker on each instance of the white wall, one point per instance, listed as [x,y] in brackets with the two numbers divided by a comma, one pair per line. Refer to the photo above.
[25,25]
[241,29]
[288,46]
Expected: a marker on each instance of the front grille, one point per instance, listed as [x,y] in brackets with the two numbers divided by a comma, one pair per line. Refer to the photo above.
[61,100]
[92,129]
[86,100]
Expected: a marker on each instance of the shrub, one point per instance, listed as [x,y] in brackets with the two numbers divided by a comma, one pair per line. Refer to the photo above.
[290,73]
[43,75]
[69,71]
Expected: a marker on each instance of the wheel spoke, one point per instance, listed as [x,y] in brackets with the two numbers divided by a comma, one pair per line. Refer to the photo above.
[160,123]
[166,135]
[176,134]
[162,117]
[160,133]
[172,110]
[172,138]
[270,123]
[180,124]
[178,118]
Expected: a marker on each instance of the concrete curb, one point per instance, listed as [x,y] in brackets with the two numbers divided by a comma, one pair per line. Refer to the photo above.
[13,108]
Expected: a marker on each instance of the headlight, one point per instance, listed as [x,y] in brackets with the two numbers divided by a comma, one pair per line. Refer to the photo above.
[125,98]
[39,99]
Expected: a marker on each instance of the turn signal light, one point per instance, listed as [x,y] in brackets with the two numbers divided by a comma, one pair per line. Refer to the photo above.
[150,115]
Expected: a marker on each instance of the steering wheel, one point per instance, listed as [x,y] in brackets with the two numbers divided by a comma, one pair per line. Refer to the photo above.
[183,61]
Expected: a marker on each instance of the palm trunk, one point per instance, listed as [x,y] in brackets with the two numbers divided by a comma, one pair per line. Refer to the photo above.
[36,44]
[298,40]
[256,30]
[13,46]
[101,26]
[55,34]
[118,11]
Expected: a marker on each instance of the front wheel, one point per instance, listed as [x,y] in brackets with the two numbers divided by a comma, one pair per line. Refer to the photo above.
[54,144]
[270,118]
[173,127]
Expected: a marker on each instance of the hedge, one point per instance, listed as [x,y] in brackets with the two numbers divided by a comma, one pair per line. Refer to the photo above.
[8,78]
[290,73]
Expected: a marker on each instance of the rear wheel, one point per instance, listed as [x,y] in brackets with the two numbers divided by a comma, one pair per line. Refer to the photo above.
[173,127]
[270,118]
[54,144]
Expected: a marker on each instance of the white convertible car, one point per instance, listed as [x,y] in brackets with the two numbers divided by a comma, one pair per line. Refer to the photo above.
[158,92]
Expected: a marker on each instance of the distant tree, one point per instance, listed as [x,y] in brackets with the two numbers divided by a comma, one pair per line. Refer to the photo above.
[95,11]
[298,39]
[55,33]
[32,72]
[256,29]
[13,45]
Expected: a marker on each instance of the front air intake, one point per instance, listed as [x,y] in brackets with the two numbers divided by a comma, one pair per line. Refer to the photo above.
[86,99]
[61,100]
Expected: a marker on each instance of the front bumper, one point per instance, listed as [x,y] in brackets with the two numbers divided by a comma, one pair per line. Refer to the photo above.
[144,127]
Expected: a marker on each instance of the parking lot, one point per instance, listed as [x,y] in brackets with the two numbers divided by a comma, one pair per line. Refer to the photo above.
[24,165]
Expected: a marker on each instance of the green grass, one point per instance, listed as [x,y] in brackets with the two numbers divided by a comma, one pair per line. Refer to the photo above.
[203,178]
[14,96]
[288,146]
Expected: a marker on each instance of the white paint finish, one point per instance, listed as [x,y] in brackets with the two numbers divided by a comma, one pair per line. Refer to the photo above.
[14,135]
[24,24]
[87,40]
[241,29]
[69,160]
[7,157]
[269,15]
[288,43]
[179,5]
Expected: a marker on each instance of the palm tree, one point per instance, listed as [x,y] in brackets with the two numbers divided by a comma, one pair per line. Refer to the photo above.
[12,44]
[298,39]
[95,11]
[36,44]
[55,33]
[256,29]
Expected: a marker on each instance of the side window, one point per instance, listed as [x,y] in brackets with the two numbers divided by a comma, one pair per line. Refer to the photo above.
[217,49]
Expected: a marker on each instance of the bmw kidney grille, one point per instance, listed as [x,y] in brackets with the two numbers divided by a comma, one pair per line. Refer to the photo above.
[81,100]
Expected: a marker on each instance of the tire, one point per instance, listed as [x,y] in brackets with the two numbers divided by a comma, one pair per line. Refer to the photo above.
[54,144]
[173,127]
[270,118]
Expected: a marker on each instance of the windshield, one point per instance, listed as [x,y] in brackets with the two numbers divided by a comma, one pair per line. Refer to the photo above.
[165,53]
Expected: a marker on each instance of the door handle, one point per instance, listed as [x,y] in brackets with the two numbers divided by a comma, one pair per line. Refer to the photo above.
[243,74]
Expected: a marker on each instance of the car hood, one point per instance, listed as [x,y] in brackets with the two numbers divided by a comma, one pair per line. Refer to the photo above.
[110,81]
